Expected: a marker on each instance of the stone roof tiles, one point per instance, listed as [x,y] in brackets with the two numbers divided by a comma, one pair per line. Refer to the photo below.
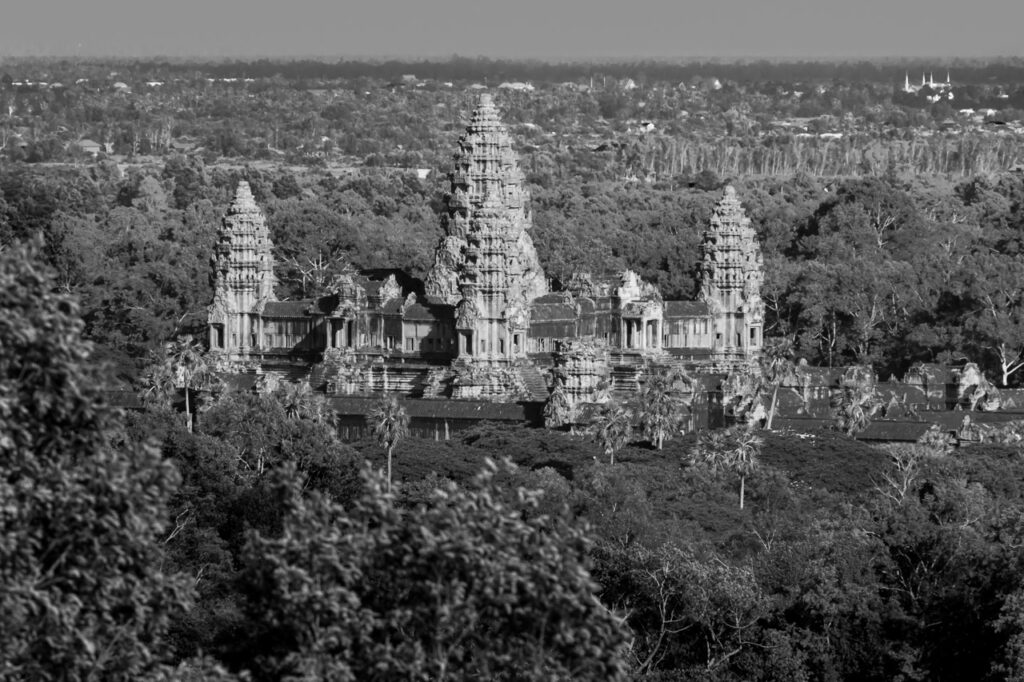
[287,308]
[678,309]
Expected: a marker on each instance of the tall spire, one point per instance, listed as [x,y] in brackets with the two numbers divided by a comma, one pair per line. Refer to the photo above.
[487,173]
[732,272]
[486,262]
[243,272]
[244,260]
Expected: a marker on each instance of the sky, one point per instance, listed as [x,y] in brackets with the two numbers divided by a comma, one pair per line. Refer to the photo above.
[540,29]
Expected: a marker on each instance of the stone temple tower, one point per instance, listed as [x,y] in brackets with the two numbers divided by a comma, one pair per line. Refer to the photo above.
[732,272]
[486,264]
[243,277]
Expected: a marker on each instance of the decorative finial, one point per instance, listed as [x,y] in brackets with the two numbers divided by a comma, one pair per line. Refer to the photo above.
[730,191]
[486,100]
[244,201]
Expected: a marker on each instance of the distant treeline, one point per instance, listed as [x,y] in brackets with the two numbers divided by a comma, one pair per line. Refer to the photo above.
[460,68]
[855,155]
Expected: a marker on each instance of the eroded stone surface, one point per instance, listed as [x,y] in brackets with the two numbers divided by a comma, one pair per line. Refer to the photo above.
[243,273]
[486,243]
[732,273]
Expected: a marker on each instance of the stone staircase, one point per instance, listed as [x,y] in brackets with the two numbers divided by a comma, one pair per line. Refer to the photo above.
[535,382]
[288,373]
[437,383]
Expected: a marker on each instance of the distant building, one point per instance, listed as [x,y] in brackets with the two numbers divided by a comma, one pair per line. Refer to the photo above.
[517,86]
[486,324]
[929,83]
[87,146]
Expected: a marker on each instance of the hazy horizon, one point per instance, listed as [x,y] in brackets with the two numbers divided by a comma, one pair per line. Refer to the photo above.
[543,30]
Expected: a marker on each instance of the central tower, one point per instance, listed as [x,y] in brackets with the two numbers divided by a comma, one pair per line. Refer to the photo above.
[486,264]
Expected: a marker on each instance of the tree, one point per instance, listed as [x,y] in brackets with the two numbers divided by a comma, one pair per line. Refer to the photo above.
[390,424]
[82,591]
[974,390]
[612,428]
[299,402]
[743,393]
[184,366]
[856,401]
[777,368]
[996,325]
[464,586]
[263,436]
[735,450]
[660,404]
[557,410]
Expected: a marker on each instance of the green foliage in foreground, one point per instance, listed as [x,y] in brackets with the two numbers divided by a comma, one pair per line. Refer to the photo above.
[250,548]
[262,555]
[460,587]
[82,594]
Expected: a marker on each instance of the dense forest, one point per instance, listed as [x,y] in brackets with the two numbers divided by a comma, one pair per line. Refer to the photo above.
[255,544]
[881,270]
[258,546]
[890,225]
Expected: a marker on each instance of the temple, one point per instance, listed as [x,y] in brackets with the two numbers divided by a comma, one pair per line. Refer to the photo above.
[485,325]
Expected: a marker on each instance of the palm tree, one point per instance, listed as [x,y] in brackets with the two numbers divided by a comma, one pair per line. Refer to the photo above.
[184,366]
[613,428]
[390,423]
[735,450]
[660,404]
[300,402]
[776,369]
[745,455]
[747,388]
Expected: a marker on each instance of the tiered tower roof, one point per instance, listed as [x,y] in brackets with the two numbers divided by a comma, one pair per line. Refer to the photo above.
[244,266]
[731,265]
[486,247]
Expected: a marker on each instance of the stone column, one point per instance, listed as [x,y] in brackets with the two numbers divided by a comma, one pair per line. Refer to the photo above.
[243,332]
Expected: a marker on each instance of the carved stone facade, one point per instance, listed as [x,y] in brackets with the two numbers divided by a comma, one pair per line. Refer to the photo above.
[486,264]
[484,326]
[583,369]
[732,273]
[486,219]
[243,278]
